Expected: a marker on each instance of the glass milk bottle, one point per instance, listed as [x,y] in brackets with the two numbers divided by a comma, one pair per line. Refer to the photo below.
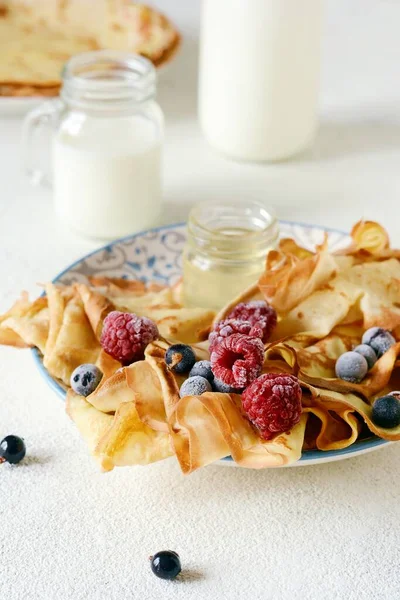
[259,75]
[107,134]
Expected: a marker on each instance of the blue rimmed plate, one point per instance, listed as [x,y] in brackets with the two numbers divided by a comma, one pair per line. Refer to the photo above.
[157,255]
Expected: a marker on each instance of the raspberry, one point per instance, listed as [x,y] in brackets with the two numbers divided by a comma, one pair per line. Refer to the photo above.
[273,403]
[224,329]
[125,336]
[258,313]
[238,360]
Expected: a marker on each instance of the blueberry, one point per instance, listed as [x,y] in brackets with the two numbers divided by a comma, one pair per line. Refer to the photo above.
[12,449]
[223,388]
[195,386]
[386,411]
[203,368]
[368,353]
[379,339]
[180,358]
[166,564]
[85,379]
[352,367]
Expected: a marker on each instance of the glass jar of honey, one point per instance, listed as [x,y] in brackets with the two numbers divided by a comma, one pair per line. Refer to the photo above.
[225,251]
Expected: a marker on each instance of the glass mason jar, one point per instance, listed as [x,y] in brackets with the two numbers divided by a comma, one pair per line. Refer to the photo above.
[107,134]
[225,252]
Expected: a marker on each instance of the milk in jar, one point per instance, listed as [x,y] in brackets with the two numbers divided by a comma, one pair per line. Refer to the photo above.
[107,179]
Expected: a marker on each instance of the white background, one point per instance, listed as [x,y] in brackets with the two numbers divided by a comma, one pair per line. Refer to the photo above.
[329,532]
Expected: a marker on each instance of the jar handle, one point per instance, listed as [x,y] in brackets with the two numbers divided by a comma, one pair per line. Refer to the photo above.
[36,162]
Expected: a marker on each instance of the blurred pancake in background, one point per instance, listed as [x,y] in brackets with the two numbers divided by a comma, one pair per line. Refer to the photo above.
[37,37]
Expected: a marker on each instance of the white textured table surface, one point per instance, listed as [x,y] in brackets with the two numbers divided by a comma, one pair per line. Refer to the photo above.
[327,532]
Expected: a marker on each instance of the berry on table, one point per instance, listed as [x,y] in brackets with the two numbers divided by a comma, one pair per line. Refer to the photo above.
[273,403]
[386,411]
[12,449]
[125,336]
[352,367]
[85,379]
[224,329]
[180,358]
[195,386]
[257,312]
[166,564]
[368,353]
[238,360]
[202,368]
[379,339]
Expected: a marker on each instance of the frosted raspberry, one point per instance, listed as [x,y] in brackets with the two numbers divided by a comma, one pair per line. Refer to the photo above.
[258,313]
[238,360]
[273,403]
[125,336]
[224,329]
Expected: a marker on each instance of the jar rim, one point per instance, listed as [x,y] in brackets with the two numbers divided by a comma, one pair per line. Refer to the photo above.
[105,79]
[213,226]
[229,205]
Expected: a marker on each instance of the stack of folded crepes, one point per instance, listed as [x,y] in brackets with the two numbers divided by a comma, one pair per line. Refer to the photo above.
[324,303]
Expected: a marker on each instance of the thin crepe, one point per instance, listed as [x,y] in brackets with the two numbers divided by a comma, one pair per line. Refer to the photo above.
[26,324]
[117,440]
[339,398]
[209,427]
[174,321]
[71,340]
[324,303]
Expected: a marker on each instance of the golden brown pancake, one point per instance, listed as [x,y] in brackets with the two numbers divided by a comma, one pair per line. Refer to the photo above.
[38,38]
